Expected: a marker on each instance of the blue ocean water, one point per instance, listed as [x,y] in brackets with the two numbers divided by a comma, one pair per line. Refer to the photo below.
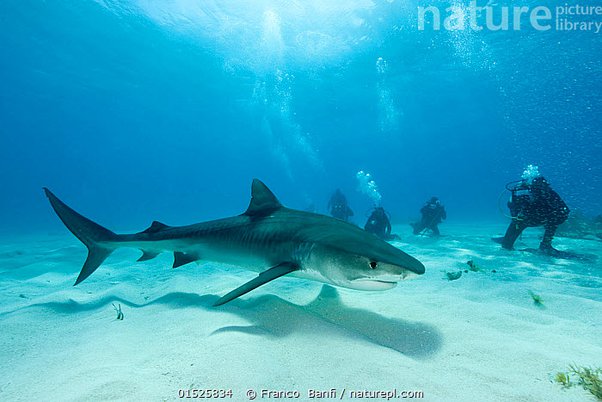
[136,110]
[140,110]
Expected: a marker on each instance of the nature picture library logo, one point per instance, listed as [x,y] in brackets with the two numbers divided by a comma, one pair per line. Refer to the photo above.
[459,16]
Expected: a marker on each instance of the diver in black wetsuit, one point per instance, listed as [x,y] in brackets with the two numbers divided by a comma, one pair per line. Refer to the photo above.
[338,206]
[379,224]
[534,203]
[433,212]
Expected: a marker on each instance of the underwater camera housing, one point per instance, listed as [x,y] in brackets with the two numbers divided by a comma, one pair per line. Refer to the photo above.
[519,188]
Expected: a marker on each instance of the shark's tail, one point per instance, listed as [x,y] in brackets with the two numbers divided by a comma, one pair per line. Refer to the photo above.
[100,241]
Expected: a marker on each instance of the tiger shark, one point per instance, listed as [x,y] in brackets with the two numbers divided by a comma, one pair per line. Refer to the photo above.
[268,238]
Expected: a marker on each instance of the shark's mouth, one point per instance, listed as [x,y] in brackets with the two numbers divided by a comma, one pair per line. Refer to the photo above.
[374,284]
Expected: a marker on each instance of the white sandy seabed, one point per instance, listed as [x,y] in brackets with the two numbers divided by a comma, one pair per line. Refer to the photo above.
[478,338]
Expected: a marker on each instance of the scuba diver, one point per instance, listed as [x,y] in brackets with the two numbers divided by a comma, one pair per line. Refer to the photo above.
[534,203]
[338,206]
[433,212]
[379,224]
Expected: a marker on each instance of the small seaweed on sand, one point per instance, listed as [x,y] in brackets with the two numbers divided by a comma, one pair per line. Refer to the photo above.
[537,299]
[563,379]
[476,268]
[452,276]
[473,267]
[587,377]
[118,311]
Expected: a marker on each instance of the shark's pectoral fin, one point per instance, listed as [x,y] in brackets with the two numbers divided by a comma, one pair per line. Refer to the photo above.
[264,277]
[180,259]
[147,255]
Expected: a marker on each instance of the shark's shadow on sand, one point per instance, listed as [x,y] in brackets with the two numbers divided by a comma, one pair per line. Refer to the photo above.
[273,316]
[278,317]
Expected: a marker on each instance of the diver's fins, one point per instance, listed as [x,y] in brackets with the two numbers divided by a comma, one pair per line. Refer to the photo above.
[498,240]
[264,277]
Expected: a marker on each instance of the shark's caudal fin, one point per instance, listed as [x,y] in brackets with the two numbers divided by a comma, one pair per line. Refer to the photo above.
[95,237]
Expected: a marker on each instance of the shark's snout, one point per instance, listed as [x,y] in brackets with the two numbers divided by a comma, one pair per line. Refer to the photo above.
[414,265]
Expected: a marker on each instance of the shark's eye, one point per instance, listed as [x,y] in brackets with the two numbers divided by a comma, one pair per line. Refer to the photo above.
[373,264]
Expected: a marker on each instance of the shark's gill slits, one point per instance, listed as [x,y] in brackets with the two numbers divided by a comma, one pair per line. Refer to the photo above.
[302,251]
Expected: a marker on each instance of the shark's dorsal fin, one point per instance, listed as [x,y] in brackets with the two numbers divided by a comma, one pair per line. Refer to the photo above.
[263,201]
[155,227]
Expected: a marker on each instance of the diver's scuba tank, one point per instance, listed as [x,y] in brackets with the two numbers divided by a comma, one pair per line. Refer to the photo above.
[521,194]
